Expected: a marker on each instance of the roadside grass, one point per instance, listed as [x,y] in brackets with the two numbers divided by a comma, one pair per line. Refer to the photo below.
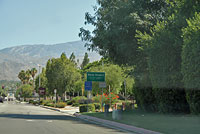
[164,123]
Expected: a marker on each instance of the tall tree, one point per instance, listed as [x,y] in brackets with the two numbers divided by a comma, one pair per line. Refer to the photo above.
[22,76]
[164,47]
[190,62]
[60,75]
[116,23]
[86,60]
[72,58]
[25,91]
[28,76]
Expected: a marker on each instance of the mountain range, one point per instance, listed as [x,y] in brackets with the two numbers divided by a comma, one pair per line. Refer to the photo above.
[14,59]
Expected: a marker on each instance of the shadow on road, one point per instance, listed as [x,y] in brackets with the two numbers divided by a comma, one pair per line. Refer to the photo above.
[55,117]
[39,117]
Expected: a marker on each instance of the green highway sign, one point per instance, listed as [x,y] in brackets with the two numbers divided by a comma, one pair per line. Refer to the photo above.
[95,76]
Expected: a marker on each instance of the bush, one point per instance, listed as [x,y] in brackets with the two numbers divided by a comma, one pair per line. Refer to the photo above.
[97,106]
[35,102]
[60,105]
[87,108]
[69,102]
[128,106]
[45,102]
[96,99]
[82,101]
[50,104]
[75,105]
[78,98]
[30,101]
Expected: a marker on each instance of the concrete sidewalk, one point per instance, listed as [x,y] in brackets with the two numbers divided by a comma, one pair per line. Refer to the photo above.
[116,124]
[68,109]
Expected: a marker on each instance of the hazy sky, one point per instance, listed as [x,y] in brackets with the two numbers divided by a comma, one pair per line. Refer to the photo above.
[41,21]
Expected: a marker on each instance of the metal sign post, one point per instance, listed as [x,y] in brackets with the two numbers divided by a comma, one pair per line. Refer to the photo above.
[88,87]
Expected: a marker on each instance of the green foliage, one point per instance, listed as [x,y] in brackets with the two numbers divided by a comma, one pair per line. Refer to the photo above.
[22,76]
[116,23]
[113,78]
[129,86]
[60,105]
[36,102]
[163,47]
[190,62]
[97,106]
[128,106]
[87,108]
[69,102]
[79,99]
[43,81]
[72,58]
[86,60]
[30,101]
[75,105]
[61,75]
[25,91]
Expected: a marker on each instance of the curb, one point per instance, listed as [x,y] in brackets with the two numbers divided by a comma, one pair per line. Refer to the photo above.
[50,108]
[58,110]
[116,124]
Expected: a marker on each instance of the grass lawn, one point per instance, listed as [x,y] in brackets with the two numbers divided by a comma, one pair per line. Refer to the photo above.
[164,123]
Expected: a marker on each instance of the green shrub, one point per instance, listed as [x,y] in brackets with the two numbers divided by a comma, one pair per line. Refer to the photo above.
[45,102]
[49,104]
[87,108]
[69,102]
[96,99]
[75,105]
[31,101]
[83,101]
[60,105]
[97,106]
[35,102]
[128,106]
[78,98]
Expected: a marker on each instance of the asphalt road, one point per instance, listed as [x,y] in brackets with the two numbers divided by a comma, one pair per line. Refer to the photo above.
[28,119]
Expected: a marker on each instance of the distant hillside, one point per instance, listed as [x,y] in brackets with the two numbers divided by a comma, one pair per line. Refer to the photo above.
[14,59]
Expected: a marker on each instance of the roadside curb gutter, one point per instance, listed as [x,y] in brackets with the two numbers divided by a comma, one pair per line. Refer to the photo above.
[59,110]
[50,108]
[116,124]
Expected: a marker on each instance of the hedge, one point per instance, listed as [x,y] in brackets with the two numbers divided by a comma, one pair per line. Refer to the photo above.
[191,64]
[87,108]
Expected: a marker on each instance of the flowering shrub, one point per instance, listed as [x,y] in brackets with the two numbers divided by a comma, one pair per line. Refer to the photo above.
[107,98]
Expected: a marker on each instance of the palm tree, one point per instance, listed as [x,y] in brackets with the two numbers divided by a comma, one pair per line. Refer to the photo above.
[33,73]
[28,76]
[22,76]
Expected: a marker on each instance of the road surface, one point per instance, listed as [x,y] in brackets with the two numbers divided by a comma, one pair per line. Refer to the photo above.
[28,119]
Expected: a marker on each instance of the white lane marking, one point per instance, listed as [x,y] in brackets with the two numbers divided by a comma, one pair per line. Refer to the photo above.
[50,121]
[29,120]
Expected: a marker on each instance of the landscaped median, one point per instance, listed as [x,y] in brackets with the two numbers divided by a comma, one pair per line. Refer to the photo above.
[60,106]
[146,123]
